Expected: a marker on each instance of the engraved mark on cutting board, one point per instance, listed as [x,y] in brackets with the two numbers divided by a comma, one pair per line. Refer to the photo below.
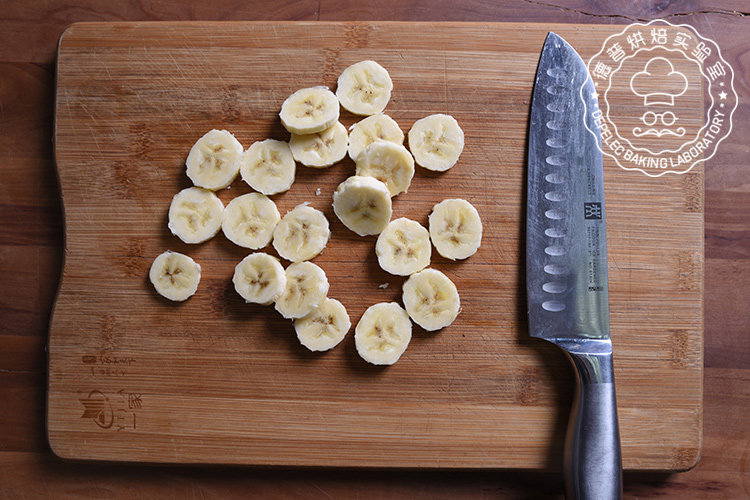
[106,363]
[115,412]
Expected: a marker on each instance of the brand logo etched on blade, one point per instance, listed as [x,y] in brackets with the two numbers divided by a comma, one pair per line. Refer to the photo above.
[592,211]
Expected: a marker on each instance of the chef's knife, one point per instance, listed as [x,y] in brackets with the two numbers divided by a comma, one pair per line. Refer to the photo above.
[566,261]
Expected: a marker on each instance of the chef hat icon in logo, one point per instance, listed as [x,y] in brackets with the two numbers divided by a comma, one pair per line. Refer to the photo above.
[658,82]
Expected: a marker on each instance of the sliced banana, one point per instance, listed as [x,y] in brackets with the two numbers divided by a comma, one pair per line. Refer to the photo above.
[195,215]
[321,149]
[302,234]
[436,142]
[390,163]
[306,287]
[175,276]
[324,327]
[363,204]
[259,278]
[373,128]
[383,333]
[309,110]
[249,220]
[431,299]
[403,248]
[214,160]
[364,88]
[268,166]
[455,229]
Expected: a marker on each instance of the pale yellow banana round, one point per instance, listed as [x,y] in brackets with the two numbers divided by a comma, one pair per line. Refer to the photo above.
[325,327]
[377,127]
[455,229]
[383,333]
[390,163]
[259,278]
[268,166]
[431,299]
[364,88]
[363,204]
[403,248]
[301,234]
[249,220]
[306,287]
[309,110]
[175,276]
[195,215]
[321,149]
[436,142]
[214,160]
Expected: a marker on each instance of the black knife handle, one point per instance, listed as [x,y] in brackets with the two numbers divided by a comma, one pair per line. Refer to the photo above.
[593,464]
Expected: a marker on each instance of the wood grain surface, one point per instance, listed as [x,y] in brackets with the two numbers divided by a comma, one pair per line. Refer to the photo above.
[31,249]
[215,380]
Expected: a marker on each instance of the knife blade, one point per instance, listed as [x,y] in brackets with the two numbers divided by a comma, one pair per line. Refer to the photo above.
[566,261]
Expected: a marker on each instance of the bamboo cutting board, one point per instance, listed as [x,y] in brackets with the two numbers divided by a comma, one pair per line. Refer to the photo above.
[214,380]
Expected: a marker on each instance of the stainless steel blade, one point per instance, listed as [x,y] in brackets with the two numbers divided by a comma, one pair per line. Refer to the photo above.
[566,252]
[566,262]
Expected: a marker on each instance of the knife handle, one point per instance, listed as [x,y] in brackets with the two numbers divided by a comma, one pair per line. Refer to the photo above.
[593,464]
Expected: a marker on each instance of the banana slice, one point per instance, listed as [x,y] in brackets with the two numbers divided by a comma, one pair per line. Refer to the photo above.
[373,128]
[268,166]
[403,248]
[175,276]
[309,110]
[363,204]
[455,229]
[324,327]
[436,142]
[431,299]
[195,215]
[383,333]
[321,149]
[302,234]
[364,88]
[214,160]
[390,163]
[249,220]
[259,278]
[306,287]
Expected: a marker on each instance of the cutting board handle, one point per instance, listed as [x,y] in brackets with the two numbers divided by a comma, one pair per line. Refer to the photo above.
[593,462]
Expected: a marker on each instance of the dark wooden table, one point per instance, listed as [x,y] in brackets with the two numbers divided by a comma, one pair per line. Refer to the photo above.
[31,244]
